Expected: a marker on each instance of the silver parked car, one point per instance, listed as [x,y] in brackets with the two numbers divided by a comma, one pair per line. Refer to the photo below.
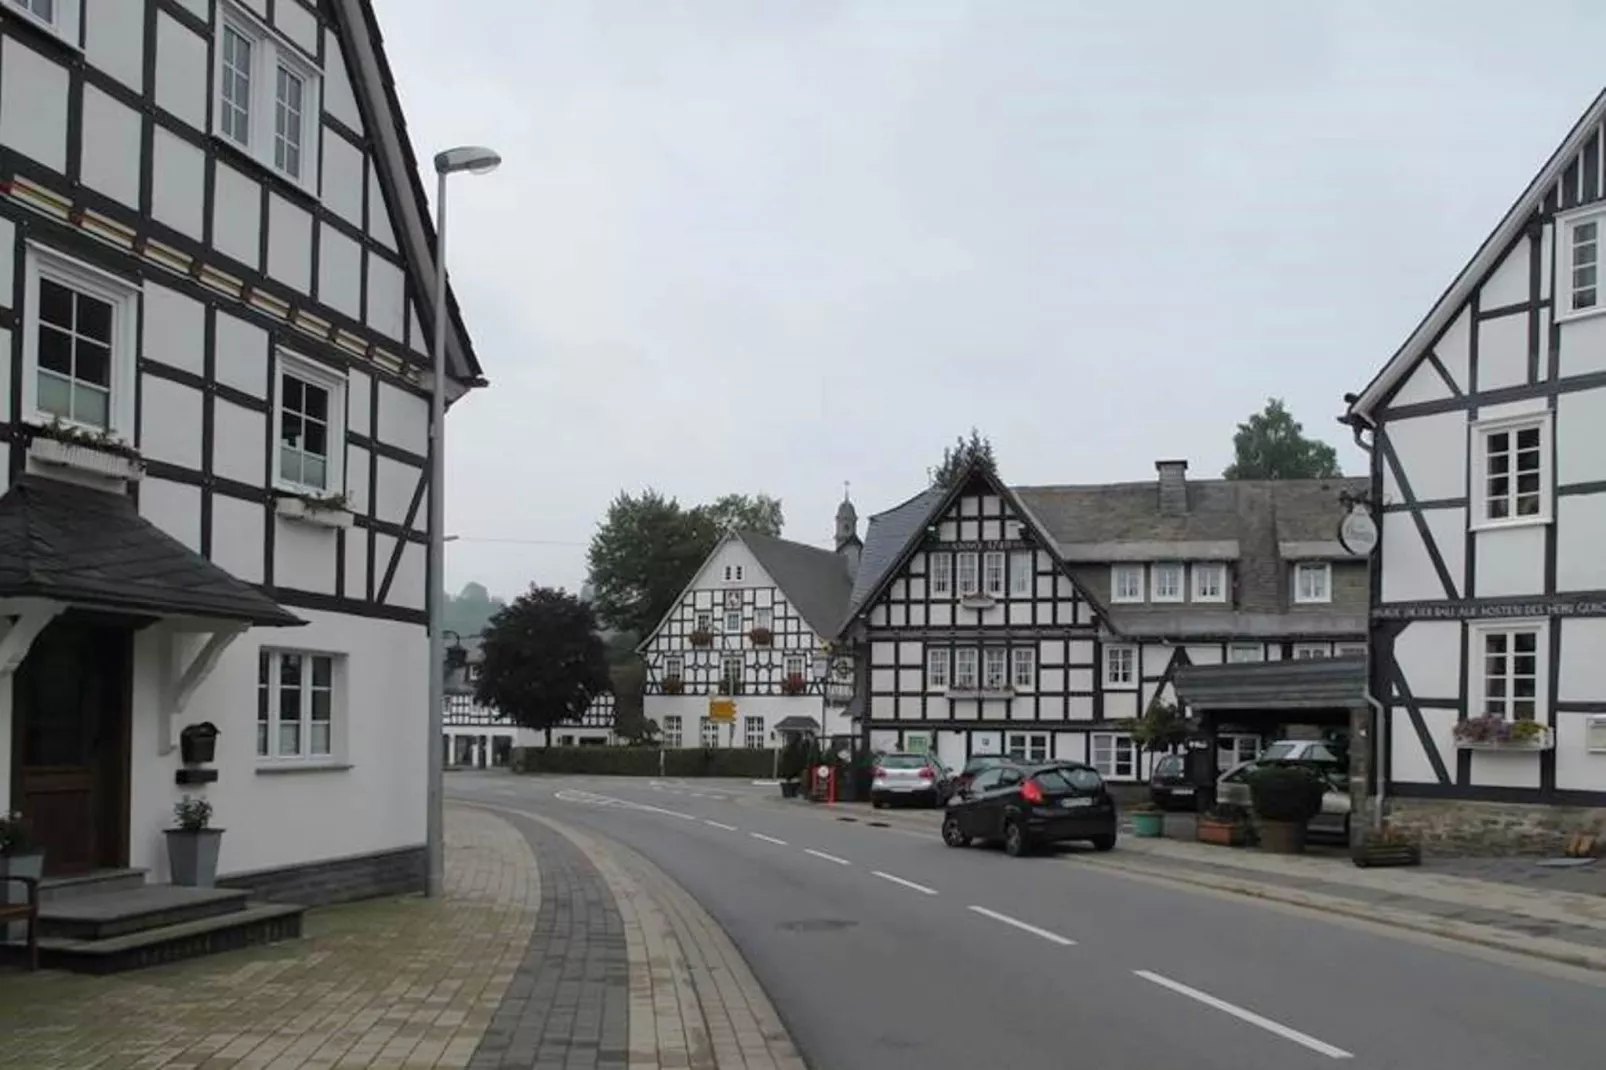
[918,778]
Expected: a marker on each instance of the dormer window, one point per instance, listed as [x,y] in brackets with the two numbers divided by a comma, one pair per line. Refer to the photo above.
[1166,582]
[1313,582]
[1209,581]
[1126,583]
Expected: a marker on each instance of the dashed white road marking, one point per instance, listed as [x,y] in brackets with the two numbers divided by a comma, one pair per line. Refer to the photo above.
[766,839]
[1286,1032]
[1056,938]
[907,884]
[828,858]
[719,825]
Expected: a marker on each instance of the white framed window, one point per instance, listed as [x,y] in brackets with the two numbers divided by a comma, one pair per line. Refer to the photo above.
[730,673]
[1027,746]
[1246,652]
[942,573]
[672,730]
[702,621]
[709,732]
[309,417]
[1209,581]
[1022,569]
[1023,668]
[1120,665]
[1114,755]
[60,17]
[1166,582]
[733,621]
[1509,669]
[1231,749]
[80,340]
[764,618]
[1313,582]
[993,573]
[969,581]
[1511,484]
[965,665]
[795,665]
[269,97]
[937,662]
[753,733]
[674,667]
[297,705]
[995,668]
[1306,651]
[1346,650]
[1578,263]
[1126,583]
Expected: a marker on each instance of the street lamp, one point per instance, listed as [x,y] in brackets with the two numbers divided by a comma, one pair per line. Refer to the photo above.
[477,161]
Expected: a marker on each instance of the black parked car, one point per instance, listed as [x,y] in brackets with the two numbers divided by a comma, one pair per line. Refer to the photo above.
[1169,786]
[976,763]
[1032,805]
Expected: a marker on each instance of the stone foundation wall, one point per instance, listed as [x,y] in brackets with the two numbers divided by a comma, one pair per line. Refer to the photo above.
[1455,827]
[338,880]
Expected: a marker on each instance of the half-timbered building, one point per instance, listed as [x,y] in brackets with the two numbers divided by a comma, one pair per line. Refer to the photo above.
[483,738]
[1036,621]
[215,256]
[744,647]
[1488,485]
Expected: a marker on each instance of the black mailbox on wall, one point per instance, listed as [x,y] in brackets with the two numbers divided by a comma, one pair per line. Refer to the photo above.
[197,745]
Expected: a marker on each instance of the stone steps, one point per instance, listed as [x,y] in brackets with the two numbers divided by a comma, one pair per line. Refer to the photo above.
[253,924]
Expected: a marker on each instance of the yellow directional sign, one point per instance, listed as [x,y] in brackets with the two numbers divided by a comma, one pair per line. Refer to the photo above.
[722,709]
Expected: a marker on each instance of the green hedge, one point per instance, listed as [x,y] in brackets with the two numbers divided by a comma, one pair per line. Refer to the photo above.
[643,761]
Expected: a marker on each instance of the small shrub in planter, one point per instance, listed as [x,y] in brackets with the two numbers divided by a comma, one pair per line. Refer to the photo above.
[794,684]
[1285,798]
[192,847]
[761,636]
[1148,820]
[1226,825]
[701,637]
[674,685]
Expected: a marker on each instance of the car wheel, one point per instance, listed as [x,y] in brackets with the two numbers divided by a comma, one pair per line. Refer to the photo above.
[1105,842]
[1015,843]
[951,834]
[879,804]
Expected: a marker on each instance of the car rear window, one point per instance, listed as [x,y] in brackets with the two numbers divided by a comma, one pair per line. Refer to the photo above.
[1069,779]
[902,761]
[1169,766]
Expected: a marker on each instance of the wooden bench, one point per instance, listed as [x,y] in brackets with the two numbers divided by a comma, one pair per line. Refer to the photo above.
[28,912]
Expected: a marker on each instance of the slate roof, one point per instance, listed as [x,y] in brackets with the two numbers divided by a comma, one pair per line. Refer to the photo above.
[885,537]
[67,543]
[1307,684]
[815,581]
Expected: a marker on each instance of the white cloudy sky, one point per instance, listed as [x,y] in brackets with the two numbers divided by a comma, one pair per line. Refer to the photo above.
[772,245]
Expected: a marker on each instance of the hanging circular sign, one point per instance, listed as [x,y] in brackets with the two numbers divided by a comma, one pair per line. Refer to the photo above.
[1357,533]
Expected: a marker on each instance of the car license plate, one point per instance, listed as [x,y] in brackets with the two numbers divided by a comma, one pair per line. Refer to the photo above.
[1075,801]
[1182,791]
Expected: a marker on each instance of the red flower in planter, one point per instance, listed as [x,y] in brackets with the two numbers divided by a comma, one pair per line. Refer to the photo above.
[761,636]
[674,685]
[701,637]
[794,684]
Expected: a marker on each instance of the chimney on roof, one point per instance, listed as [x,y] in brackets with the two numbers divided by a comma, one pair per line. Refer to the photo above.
[847,533]
[1173,487]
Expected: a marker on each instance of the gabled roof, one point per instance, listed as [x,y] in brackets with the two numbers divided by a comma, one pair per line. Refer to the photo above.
[375,87]
[1487,256]
[67,543]
[815,581]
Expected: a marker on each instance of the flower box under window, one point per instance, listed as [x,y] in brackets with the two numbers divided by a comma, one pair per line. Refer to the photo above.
[1494,733]
[794,684]
[761,636]
[980,692]
[320,512]
[701,637]
[86,453]
[978,600]
[674,685]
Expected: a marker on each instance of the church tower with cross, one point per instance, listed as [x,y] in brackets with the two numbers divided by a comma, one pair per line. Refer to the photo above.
[847,531]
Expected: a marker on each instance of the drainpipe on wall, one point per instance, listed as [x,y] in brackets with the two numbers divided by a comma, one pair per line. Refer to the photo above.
[1378,772]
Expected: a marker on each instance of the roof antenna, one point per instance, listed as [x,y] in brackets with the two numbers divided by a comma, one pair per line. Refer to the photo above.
[846,486]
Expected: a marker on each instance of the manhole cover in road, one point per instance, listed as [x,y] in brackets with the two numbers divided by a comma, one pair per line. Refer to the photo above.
[847,819]
[816,925]
[879,825]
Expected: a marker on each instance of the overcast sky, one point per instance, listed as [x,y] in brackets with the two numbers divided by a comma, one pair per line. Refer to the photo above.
[772,245]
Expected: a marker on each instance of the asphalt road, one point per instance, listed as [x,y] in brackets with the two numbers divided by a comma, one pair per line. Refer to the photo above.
[883,947]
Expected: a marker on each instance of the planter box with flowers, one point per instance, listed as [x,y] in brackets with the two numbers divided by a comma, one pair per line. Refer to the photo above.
[1225,826]
[701,637]
[761,637]
[326,512]
[85,451]
[794,684]
[977,600]
[1006,691]
[1495,733]
[674,685]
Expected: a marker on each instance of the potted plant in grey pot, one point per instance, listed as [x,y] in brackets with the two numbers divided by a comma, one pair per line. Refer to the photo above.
[18,858]
[192,847]
[1285,798]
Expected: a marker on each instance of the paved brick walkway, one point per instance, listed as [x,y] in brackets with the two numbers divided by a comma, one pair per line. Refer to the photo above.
[588,959]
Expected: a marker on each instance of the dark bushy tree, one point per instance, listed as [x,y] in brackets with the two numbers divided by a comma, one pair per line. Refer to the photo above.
[1272,445]
[544,663]
[956,458]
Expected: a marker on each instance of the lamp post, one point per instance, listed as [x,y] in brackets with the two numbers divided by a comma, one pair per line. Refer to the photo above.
[475,160]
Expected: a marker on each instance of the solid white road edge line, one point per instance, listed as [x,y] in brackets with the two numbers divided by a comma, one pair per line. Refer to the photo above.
[906,884]
[828,858]
[719,825]
[1056,938]
[1251,1017]
[766,839]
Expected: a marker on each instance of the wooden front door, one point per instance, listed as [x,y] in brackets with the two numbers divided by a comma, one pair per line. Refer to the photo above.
[70,712]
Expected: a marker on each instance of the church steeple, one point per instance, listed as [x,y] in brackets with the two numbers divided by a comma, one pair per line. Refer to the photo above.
[847,532]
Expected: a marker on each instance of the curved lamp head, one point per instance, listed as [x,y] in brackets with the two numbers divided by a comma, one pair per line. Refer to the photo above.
[476,159]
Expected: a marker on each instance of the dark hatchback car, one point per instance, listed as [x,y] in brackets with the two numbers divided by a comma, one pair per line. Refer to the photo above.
[1169,786]
[1032,805]
[976,763]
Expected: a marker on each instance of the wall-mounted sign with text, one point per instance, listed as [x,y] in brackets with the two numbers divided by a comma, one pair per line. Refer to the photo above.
[1357,532]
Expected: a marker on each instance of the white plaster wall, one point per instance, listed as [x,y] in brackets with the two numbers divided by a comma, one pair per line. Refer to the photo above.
[1576,768]
[343,179]
[338,98]
[173,328]
[111,143]
[1580,522]
[289,243]
[304,556]
[298,24]
[114,39]
[408,588]
[339,272]
[170,424]
[1583,346]
[181,72]
[282,818]
[1432,451]
[403,420]
[1581,672]
[33,104]
[238,442]
[1511,561]
[1408,573]
[1410,764]
[242,355]
[385,300]
[173,507]
[357,488]
[1423,384]
[1454,349]
[1428,654]
[237,215]
[394,492]
[1501,769]
[237,537]
[1502,352]
[178,195]
[1580,420]
[1508,283]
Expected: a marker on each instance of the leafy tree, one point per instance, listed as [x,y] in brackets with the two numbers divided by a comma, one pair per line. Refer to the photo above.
[956,458]
[1272,445]
[742,512]
[469,612]
[629,684]
[543,660]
